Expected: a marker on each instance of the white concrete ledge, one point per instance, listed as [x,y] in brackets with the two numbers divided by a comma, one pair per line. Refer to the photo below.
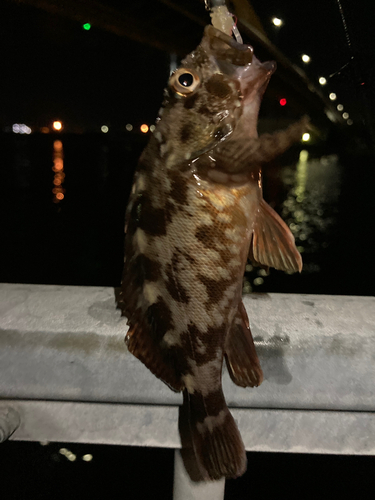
[64,367]
[291,431]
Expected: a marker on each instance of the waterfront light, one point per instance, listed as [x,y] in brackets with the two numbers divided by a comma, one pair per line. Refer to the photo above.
[277,22]
[152,128]
[322,80]
[104,129]
[282,102]
[306,137]
[340,107]
[57,125]
[20,128]
[144,128]
[345,116]
[332,96]
[86,26]
[305,58]
[129,127]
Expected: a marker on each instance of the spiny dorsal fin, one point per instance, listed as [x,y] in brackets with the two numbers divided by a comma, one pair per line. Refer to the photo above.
[272,243]
[240,354]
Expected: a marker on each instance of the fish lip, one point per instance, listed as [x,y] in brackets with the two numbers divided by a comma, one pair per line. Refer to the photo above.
[256,81]
[238,54]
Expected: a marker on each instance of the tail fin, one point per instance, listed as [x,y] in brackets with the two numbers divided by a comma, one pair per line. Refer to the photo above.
[216,440]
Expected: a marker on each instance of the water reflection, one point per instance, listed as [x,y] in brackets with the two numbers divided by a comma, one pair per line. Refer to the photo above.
[311,205]
[58,167]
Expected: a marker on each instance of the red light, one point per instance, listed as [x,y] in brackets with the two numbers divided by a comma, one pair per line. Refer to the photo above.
[282,102]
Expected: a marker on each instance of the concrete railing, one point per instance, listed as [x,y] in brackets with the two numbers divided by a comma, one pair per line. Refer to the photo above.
[65,375]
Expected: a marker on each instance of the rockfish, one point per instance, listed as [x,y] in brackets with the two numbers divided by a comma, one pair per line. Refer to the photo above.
[195,215]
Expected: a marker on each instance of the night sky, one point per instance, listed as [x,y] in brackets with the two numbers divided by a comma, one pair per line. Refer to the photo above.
[317,28]
[53,69]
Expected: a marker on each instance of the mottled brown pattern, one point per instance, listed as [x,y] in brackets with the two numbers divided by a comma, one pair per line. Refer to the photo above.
[186,133]
[150,269]
[218,87]
[210,405]
[188,257]
[174,287]
[179,189]
[154,222]
[215,288]
[150,219]
[178,357]
[209,236]
[190,101]
[205,110]
[159,316]
[193,339]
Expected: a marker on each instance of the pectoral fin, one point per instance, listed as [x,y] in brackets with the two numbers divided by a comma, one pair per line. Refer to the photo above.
[272,244]
[240,354]
[237,155]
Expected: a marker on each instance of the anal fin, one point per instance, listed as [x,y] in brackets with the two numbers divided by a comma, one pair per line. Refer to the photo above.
[240,353]
[273,244]
[158,360]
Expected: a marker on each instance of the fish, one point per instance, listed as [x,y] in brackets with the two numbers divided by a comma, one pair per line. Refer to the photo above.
[196,214]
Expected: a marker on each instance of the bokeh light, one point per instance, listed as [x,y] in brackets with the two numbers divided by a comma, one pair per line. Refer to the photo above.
[277,22]
[57,125]
[306,137]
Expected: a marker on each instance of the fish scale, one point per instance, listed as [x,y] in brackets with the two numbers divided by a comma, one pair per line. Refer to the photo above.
[195,215]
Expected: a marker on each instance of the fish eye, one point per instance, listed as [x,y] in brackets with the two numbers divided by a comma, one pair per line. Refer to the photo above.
[184,81]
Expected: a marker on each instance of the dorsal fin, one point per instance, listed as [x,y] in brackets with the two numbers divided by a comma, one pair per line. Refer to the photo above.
[273,244]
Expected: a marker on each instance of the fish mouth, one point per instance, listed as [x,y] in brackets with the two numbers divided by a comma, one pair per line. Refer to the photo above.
[237,60]
[226,49]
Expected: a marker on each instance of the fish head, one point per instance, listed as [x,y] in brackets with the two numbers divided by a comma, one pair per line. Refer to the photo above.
[207,97]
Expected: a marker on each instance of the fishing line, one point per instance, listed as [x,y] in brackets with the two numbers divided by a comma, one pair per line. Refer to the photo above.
[346,30]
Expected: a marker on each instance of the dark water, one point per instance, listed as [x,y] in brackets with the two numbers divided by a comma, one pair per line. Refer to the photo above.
[64,197]
[63,201]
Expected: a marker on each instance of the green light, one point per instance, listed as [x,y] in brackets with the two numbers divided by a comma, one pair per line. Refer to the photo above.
[86,26]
